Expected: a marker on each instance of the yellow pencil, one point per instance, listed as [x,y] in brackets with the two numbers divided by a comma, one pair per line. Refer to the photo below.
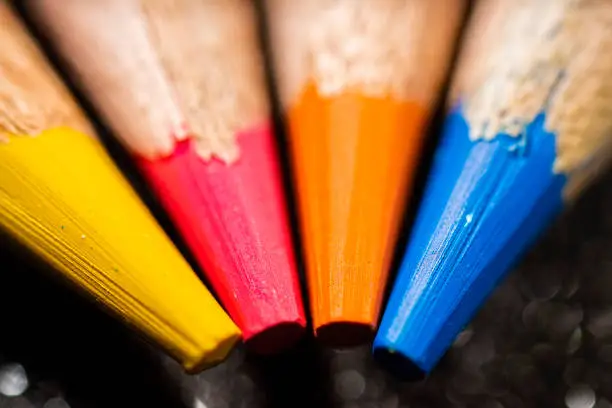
[63,198]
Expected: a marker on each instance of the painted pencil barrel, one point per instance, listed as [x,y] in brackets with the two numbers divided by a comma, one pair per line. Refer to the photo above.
[62,197]
[529,127]
[182,85]
[357,81]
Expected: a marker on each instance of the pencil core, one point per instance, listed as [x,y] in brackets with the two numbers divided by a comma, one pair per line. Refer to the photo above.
[345,334]
[398,364]
[276,338]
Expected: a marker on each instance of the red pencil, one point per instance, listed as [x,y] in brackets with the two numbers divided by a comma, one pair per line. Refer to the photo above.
[181,83]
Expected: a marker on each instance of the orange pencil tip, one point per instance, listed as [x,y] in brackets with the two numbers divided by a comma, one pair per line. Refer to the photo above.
[353,157]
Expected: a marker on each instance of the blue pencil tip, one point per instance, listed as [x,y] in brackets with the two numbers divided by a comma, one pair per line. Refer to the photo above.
[398,364]
[485,203]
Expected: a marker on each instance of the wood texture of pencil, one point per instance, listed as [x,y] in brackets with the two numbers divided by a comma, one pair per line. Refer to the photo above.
[181,82]
[357,81]
[530,126]
[62,197]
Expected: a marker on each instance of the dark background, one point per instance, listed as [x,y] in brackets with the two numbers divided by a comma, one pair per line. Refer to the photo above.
[544,339]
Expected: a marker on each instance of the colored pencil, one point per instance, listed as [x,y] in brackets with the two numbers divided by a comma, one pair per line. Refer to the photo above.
[357,81]
[62,197]
[529,127]
[182,84]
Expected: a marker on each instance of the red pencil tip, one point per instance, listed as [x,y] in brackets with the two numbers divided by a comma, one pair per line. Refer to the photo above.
[233,218]
[277,338]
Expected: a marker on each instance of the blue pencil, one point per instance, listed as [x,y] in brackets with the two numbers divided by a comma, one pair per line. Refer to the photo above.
[529,127]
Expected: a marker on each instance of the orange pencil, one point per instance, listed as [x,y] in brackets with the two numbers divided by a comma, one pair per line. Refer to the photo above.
[357,80]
